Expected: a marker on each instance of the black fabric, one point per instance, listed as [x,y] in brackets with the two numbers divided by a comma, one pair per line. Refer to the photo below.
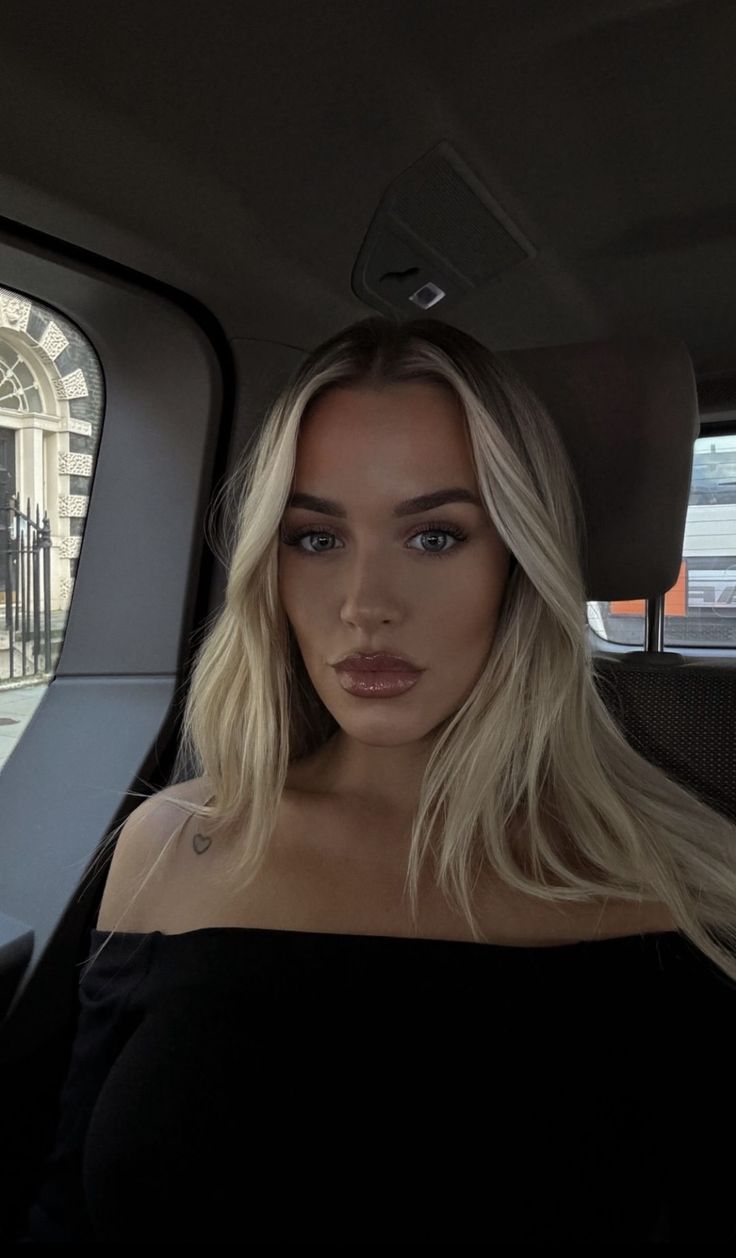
[242,1084]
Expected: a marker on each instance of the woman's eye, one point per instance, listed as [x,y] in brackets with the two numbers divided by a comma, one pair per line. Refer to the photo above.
[294,539]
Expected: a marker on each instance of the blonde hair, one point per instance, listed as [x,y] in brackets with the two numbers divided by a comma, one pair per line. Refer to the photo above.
[533,743]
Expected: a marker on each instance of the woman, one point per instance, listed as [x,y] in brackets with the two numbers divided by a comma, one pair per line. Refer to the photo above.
[414,963]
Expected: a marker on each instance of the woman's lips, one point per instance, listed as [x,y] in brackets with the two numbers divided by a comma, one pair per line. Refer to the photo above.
[378,663]
[371,685]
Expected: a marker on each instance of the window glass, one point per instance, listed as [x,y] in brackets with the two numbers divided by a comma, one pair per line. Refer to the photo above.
[51,408]
[700,609]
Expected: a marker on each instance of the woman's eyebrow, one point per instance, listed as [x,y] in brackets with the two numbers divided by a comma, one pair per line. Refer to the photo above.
[411,506]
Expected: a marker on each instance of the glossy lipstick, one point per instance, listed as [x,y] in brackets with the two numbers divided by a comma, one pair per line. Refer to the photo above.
[369,685]
[376,676]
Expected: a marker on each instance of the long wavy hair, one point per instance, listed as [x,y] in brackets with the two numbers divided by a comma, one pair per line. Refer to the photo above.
[532,751]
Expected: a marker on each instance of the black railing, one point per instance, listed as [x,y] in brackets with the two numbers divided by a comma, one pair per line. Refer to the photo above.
[23,542]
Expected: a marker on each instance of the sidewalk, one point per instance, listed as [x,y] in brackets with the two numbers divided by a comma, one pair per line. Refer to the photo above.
[20,697]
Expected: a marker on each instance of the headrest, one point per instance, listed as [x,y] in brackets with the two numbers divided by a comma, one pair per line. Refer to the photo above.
[627,412]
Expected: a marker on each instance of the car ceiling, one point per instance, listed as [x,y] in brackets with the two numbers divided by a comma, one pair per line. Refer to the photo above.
[239,152]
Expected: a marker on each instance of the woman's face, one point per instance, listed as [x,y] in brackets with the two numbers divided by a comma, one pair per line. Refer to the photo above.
[371,580]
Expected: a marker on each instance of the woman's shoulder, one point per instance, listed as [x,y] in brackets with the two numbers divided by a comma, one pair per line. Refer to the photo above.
[142,877]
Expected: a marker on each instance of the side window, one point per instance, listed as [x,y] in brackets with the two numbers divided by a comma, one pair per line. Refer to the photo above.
[51,408]
[700,609]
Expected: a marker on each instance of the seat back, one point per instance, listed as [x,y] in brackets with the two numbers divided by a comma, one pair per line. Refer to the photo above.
[627,412]
[680,715]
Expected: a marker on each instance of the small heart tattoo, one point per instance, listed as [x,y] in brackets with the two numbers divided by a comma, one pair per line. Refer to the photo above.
[201,843]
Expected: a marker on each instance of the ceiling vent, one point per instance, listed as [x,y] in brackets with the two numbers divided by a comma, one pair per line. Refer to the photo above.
[436,235]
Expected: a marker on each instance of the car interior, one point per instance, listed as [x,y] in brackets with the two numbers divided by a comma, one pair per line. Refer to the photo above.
[192,199]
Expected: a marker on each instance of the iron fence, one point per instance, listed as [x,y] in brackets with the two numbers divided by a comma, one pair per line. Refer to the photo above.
[25,562]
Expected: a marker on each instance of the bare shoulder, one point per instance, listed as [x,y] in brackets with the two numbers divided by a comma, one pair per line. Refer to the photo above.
[145,859]
[193,791]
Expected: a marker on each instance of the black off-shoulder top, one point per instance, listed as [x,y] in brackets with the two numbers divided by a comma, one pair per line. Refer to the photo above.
[236,1084]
